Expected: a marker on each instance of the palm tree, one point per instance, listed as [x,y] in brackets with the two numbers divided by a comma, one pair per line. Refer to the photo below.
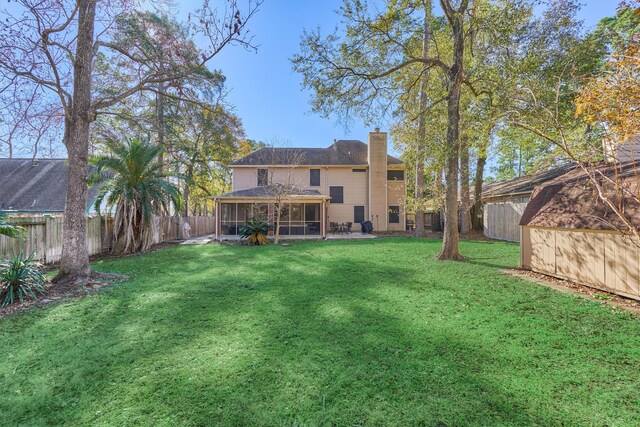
[133,181]
[10,230]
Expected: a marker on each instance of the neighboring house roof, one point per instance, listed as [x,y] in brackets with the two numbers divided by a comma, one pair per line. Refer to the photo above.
[523,185]
[36,186]
[272,191]
[340,153]
[571,200]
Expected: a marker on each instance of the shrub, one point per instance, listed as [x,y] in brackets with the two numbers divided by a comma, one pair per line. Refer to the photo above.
[20,277]
[255,231]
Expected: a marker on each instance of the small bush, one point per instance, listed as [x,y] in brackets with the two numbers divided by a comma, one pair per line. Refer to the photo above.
[20,277]
[255,231]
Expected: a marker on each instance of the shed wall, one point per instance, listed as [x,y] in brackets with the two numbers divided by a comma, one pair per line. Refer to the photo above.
[605,260]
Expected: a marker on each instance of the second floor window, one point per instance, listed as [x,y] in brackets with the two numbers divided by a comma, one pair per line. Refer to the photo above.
[336,194]
[395,175]
[263,177]
[314,177]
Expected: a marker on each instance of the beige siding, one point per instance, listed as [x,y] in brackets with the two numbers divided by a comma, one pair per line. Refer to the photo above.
[396,196]
[377,158]
[604,260]
[354,185]
[244,178]
[354,188]
[502,219]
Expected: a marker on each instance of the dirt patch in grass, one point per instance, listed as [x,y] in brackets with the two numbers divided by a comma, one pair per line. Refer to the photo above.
[579,289]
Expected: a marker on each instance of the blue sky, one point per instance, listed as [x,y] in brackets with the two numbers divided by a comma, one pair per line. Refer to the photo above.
[267,94]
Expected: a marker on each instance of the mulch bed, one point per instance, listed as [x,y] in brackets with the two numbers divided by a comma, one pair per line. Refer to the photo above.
[587,292]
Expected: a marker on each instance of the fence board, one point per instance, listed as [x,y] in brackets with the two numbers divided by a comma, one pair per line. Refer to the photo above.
[502,219]
[44,234]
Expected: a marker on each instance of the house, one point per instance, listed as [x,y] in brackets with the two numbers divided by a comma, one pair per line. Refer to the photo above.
[627,151]
[569,232]
[324,189]
[36,186]
[504,202]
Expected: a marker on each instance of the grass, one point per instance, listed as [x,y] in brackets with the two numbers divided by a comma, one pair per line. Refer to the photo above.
[372,332]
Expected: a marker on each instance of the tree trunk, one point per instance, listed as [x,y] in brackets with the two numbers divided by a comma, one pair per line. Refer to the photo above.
[74,263]
[185,192]
[160,121]
[477,217]
[277,222]
[421,143]
[465,201]
[450,239]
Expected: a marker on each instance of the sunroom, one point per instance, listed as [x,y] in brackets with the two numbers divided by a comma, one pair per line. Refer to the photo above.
[303,212]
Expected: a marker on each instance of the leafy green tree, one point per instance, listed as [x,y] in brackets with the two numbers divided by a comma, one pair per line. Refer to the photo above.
[53,47]
[135,188]
[376,65]
[10,230]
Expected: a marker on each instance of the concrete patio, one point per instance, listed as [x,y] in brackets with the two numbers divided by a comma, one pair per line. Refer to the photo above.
[330,236]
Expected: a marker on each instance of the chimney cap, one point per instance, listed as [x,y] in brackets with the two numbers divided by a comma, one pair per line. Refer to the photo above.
[377,130]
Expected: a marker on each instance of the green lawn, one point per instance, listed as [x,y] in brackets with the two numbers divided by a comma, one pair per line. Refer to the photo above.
[372,332]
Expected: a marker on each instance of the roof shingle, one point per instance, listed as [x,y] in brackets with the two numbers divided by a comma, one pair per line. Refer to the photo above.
[340,153]
[270,191]
[571,200]
[523,184]
[36,186]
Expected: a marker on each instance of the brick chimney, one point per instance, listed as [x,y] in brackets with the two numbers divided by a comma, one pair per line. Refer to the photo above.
[377,159]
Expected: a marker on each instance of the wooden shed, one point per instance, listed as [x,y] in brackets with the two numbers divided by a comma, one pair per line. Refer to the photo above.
[504,202]
[567,231]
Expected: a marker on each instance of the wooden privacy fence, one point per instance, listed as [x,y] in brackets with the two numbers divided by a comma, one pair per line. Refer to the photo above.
[171,227]
[502,220]
[44,234]
[606,260]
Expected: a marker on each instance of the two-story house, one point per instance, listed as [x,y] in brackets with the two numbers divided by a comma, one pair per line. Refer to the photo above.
[344,184]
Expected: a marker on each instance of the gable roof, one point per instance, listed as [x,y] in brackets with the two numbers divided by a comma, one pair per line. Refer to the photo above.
[340,153]
[523,185]
[36,186]
[571,200]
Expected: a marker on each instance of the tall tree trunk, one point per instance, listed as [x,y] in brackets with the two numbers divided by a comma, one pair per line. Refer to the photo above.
[421,143]
[74,263]
[185,192]
[465,201]
[160,124]
[451,238]
[478,216]
[185,196]
[278,209]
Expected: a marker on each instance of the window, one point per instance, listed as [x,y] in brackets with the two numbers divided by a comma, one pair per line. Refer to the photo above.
[314,177]
[263,177]
[358,170]
[358,214]
[336,194]
[395,175]
[394,214]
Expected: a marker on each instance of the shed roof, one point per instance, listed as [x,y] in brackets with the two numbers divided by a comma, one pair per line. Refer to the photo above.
[524,184]
[571,200]
[271,191]
[36,185]
[340,153]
